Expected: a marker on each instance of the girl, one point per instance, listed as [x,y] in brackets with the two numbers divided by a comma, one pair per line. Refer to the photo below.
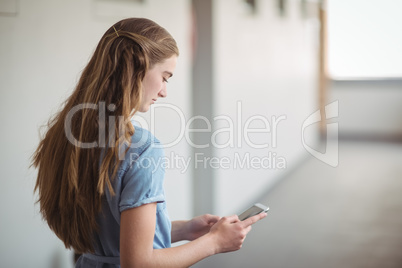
[94,191]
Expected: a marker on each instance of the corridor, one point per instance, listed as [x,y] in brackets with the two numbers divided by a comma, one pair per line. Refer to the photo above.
[324,217]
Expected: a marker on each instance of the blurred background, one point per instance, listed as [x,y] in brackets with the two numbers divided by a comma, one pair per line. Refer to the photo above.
[296,104]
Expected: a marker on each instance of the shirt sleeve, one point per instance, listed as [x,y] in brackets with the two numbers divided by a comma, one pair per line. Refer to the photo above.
[143,181]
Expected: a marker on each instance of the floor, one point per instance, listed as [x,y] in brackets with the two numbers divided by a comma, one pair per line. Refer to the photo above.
[324,217]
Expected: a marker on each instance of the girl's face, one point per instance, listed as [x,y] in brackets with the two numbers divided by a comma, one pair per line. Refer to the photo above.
[154,82]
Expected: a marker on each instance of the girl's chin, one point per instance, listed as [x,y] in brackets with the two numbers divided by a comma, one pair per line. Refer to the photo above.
[144,109]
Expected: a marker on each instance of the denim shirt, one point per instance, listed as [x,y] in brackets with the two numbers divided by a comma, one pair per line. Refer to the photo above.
[139,181]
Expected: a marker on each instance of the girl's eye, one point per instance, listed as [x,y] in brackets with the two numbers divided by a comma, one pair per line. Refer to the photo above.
[165,80]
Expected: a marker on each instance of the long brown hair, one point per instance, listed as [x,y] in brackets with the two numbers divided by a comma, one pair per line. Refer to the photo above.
[74,162]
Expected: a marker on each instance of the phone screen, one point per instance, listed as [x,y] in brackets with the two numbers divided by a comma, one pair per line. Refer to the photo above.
[254,210]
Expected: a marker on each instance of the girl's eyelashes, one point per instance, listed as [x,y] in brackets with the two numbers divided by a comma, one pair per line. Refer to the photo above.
[165,80]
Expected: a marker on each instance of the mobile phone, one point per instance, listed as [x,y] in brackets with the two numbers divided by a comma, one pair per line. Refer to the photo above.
[253,210]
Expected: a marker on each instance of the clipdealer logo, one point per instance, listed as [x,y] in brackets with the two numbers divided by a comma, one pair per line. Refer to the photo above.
[331,154]
[233,135]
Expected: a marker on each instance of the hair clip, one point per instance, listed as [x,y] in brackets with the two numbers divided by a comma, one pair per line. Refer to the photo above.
[116,32]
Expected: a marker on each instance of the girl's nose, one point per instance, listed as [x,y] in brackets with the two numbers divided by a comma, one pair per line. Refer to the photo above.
[163,92]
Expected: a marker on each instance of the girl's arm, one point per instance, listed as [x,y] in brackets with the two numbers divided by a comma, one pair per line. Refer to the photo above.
[137,229]
[194,228]
[179,231]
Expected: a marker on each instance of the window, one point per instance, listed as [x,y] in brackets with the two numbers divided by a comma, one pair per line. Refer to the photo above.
[364,39]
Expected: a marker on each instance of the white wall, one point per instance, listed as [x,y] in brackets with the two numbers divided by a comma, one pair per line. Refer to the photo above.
[43,48]
[268,63]
[369,109]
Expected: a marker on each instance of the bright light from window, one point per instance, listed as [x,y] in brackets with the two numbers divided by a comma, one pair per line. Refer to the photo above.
[364,39]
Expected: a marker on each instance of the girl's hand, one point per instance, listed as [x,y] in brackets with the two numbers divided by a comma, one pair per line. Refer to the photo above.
[229,232]
[200,225]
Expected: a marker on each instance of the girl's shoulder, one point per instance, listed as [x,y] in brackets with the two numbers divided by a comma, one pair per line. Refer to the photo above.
[143,138]
[143,144]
